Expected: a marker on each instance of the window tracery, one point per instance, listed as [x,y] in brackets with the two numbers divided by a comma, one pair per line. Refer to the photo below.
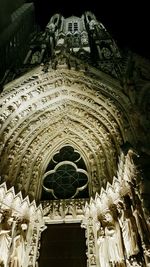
[66,175]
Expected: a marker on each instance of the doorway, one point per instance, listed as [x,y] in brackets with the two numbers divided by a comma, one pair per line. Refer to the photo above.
[63,245]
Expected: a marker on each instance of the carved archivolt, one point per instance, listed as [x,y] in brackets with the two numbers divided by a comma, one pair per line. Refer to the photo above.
[41,110]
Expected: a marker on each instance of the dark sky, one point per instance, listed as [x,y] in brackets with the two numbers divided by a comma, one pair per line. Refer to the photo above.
[127,22]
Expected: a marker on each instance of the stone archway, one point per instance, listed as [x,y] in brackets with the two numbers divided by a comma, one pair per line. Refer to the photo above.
[42,110]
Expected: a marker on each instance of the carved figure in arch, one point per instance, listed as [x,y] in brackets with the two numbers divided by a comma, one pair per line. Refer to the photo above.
[92,24]
[70,210]
[35,57]
[93,260]
[84,39]
[56,210]
[79,208]
[94,183]
[50,28]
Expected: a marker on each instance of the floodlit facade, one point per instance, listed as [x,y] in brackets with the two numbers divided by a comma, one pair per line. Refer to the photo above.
[74,146]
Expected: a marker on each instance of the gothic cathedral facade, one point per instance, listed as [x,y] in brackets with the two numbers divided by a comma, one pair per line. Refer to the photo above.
[74,146]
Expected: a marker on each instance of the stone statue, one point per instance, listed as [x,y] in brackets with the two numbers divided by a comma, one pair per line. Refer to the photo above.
[114,241]
[142,226]
[110,242]
[102,249]
[128,226]
[50,28]
[5,237]
[18,255]
[92,24]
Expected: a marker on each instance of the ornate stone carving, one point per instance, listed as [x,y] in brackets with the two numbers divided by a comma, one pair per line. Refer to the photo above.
[63,210]
[20,226]
[99,114]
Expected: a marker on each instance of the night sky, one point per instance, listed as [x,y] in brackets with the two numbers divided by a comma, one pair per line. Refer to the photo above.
[127,22]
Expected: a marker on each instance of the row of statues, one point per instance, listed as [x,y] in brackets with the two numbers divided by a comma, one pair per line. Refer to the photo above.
[117,223]
[13,239]
[117,227]
[21,224]
[122,234]
[120,237]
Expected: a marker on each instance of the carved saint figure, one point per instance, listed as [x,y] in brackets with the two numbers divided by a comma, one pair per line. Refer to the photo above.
[114,241]
[18,255]
[129,228]
[110,242]
[102,249]
[5,236]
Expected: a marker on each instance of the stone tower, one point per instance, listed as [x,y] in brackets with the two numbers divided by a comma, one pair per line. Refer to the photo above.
[74,145]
